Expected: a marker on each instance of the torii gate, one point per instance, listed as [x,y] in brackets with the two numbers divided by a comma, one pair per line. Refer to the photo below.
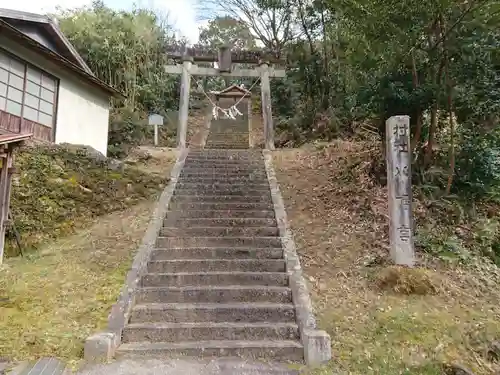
[225,59]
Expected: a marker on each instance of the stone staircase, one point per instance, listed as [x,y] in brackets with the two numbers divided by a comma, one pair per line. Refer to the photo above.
[217,274]
[228,133]
[217,282]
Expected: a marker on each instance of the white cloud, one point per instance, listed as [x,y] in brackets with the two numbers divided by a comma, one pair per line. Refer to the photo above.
[181,13]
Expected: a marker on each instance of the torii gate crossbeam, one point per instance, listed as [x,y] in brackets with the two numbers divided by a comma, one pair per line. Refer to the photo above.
[187,69]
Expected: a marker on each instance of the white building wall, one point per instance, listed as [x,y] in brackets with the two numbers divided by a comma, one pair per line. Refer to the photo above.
[82,109]
[82,117]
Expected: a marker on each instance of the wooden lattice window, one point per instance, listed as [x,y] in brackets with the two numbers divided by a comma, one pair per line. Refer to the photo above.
[26,91]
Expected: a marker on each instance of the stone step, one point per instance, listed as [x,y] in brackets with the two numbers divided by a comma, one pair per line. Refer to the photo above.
[222,198]
[223,162]
[228,138]
[237,136]
[240,170]
[225,168]
[229,147]
[227,162]
[217,265]
[200,158]
[214,278]
[213,312]
[228,158]
[223,133]
[216,253]
[228,185]
[219,231]
[221,176]
[221,206]
[229,126]
[175,332]
[225,155]
[226,214]
[234,130]
[286,351]
[225,185]
[207,151]
[225,143]
[251,155]
[219,222]
[202,191]
[214,294]
[234,242]
[259,177]
[228,144]
[223,179]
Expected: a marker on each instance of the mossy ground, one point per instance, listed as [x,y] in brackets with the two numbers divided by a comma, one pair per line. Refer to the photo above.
[382,319]
[59,188]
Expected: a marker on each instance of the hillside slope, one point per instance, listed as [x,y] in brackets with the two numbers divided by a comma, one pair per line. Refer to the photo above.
[383,319]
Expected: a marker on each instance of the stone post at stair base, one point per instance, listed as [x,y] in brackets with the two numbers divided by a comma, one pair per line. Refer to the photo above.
[317,347]
[101,347]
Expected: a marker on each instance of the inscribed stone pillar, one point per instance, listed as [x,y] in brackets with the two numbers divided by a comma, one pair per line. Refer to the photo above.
[399,190]
[265,88]
[184,101]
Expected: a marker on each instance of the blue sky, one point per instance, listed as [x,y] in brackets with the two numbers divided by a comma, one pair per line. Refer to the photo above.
[182,13]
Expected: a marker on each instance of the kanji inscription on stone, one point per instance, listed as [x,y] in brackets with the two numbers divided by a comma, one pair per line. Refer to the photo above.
[399,190]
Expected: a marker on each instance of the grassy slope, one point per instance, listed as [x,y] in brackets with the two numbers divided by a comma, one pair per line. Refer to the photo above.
[62,290]
[382,320]
[54,298]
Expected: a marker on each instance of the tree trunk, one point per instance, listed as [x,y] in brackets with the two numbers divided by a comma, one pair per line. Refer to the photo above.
[435,107]
[449,87]
[418,126]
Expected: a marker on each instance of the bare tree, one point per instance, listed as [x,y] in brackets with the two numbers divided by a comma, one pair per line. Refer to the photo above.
[271,21]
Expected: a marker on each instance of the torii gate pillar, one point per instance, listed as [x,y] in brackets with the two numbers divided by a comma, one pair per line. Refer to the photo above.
[187,61]
[267,113]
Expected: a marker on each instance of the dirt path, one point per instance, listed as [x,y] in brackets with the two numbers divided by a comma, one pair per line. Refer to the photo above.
[340,228]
